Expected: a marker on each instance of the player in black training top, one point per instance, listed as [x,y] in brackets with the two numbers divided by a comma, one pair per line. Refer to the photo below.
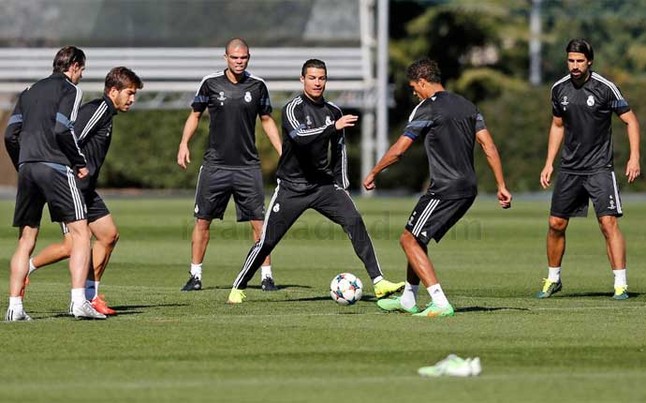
[450,126]
[582,106]
[94,130]
[42,144]
[312,174]
[234,98]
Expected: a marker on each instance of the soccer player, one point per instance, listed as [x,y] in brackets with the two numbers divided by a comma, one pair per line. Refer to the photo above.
[310,178]
[234,98]
[94,129]
[582,106]
[450,126]
[42,145]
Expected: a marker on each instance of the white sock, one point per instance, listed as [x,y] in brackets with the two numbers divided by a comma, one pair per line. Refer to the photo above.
[265,272]
[437,295]
[31,266]
[90,289]
[409,296]
[377,279]
[15,303]
[78,296]
[196,270]
[96,289]
[554,274]
[620,277]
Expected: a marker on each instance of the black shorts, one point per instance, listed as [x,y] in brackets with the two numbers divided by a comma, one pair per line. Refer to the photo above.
[41,183]
[96,208]
[215,185]
[432,217]
[572,194]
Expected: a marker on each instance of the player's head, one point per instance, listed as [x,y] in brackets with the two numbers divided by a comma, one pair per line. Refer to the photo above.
[70,61]
[421,74]
[314,78]
[580,56]
[236,54]
[121,85]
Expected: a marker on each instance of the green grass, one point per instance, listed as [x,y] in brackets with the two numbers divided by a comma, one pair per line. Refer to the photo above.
[296,345]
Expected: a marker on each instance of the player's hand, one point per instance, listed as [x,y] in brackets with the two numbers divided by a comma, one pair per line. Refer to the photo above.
[546,174]
[504,198]
[346,121]
[183,156]
[82,172]
[369,182]
[632,170]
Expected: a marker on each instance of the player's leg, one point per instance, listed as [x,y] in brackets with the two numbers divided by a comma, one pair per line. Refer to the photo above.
[249,196]
[284,209]
[569,199]
[106,236]
[432,218]
[335,203]
[19,268]
[52,253]
[607,204]
[212,194]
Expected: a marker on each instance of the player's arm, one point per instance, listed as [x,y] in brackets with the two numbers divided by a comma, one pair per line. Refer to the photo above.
[557,132]
[483,137]
[299,133]
[394,154]
[271,130]
[190,127]
[64,130]
[12,134]
[632,128]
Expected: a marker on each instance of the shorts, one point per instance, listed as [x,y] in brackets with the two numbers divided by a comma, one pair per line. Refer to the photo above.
[215,185]
[96,208]
[432,217]
[572,194]
[41,183]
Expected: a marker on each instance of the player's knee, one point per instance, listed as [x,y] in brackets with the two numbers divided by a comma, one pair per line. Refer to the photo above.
[406,240]
[557,225]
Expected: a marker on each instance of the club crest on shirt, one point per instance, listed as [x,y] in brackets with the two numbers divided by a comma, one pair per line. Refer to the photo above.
[565,102]
[109,131]
[328,120]
[276,208]
[247,96]
[221,97]
[308,121]
[590,100]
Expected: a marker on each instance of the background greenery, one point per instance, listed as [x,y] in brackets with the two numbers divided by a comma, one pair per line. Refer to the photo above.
[297,345]
[482,48]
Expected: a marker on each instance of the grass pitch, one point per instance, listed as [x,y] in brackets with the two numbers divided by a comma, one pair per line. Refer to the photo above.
[297,345]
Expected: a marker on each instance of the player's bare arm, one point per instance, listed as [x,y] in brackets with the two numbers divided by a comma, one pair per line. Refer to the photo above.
[557,132]
[346,121]
[483,137]
[190,127]
[633,169]
[393,155]
[271,130]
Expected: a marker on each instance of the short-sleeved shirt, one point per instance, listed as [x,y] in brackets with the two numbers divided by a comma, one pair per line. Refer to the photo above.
[233,109]
[586,112]
[448,124]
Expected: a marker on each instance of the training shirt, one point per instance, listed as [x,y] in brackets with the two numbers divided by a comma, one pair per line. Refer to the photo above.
[41,126]
[94,130]
[586,113]
[313,149]
[233,109]
[447,123]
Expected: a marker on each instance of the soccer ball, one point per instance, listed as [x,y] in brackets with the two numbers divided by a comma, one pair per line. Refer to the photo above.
[346,289]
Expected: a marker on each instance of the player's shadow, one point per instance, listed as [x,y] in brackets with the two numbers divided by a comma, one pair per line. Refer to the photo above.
[122,310]
[594,294]
[488,309]
[258,287]
[308,299]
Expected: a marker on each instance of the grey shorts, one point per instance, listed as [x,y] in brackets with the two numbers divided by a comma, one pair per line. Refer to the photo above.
[572,195]
[216,185]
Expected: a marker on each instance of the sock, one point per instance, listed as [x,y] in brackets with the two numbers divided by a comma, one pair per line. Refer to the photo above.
[409,295]
[31,266]
[437,295]
[15,303]
[377,279]
[90,289]
[78,296]
[620,277]
[96,289]
[265,272]
[196,270]
[554,274]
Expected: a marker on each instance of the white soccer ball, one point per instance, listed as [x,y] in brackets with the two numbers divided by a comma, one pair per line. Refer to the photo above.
[346,289]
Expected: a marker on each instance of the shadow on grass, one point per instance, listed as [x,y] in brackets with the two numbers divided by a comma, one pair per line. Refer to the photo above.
[596,294]
[257,287]
[489,309]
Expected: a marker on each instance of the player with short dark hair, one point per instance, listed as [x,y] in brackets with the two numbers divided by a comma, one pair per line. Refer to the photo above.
[450,126]
[309,178]
[42,145]
[234,98]
[94,130]
[582,107]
